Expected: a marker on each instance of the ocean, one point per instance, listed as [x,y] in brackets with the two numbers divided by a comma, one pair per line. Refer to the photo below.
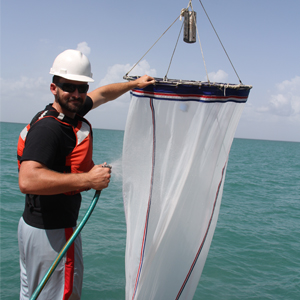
[255,252]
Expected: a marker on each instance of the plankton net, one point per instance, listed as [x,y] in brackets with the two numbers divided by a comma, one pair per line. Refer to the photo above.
[175,153]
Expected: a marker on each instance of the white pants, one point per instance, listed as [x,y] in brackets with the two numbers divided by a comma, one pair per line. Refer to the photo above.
[38,249]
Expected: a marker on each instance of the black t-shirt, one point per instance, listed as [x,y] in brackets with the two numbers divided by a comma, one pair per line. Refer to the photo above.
[49,142]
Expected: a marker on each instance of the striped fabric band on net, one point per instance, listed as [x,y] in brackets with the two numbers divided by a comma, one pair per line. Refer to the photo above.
[149,203]
[190,97]
[204,238]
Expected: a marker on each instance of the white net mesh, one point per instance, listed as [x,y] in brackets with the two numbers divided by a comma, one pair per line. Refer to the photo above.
[175,153]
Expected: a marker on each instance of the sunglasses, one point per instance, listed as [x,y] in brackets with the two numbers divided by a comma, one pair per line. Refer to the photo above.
[71,88]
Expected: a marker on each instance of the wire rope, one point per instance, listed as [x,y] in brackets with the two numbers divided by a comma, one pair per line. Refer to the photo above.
[173,52]
[190,4]
[221,43]
[152,46]
[201,49]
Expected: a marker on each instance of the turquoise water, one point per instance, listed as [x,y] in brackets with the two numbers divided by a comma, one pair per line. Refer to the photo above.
[255,252]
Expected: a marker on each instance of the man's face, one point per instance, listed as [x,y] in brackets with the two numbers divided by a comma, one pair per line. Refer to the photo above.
[70,102]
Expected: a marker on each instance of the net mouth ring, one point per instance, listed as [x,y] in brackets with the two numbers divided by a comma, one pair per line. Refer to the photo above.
[177,82]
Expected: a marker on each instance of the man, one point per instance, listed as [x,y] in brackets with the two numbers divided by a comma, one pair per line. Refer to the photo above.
[55,165]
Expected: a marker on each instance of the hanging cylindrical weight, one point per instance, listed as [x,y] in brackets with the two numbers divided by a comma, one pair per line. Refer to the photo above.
[189,33]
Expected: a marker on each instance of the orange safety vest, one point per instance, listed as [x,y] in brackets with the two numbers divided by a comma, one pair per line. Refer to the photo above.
[80,159]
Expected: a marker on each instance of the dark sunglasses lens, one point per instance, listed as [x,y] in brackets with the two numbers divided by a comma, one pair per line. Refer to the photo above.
[82,88]
[70,88]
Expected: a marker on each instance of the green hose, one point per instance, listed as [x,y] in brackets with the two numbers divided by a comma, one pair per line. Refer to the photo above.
[66,246]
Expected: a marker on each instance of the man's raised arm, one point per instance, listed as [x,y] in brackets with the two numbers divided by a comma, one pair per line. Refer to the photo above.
[112,91]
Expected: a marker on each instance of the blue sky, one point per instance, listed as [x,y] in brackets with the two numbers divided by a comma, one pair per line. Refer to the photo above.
[261,38]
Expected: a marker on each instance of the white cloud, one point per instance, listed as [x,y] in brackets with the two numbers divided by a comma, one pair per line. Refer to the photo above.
[114,74]
[143,68]
[278,119]
[25,84]
[117,71]
[219,76]
[21,99]
[113,114]
[84,48]
[267,126]
[286,102]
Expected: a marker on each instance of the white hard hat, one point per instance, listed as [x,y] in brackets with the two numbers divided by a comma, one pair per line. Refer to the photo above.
[72,65]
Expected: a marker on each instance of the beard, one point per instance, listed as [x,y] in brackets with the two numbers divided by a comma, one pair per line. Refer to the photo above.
[71,104]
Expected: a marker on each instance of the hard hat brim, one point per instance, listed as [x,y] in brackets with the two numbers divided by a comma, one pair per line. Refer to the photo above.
[73,77]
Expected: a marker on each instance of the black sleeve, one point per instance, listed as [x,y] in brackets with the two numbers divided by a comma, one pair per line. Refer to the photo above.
[43,143]
[88,104]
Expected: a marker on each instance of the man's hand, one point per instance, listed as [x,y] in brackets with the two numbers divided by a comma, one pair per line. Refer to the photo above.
[144,81]
[99,177]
